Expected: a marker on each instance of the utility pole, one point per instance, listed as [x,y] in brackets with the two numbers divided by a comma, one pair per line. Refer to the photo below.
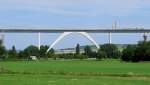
[110,38]
[114,27]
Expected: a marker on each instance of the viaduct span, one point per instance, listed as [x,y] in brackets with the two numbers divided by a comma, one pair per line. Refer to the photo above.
[82,31]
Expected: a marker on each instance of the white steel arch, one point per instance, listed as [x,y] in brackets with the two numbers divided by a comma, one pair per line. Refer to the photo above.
[86,35]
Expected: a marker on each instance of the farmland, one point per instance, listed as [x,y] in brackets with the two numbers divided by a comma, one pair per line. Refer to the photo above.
[74,72]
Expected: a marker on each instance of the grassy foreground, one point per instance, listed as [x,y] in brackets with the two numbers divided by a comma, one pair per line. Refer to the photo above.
[108,72]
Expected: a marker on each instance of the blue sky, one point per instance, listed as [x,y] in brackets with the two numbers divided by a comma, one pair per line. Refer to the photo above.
[72,13]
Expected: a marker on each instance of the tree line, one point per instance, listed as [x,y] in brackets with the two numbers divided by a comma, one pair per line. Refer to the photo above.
[136,53]
[132,53]
[106,51]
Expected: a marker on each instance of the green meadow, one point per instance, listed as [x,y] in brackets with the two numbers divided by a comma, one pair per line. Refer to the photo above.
[74,72]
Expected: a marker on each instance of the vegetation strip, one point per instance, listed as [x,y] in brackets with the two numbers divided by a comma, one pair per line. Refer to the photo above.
[75,74]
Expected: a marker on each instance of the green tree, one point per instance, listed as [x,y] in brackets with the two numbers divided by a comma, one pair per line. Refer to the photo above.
[51,54]
[139,53]
[101,54]
[128,53]
[142,53]
[31,51]
[12,54]
[78,49]
[87,51]
[1,43]
[111,50]
[68,55]
[81,56]
[42,51]
[3,52]
[52,51]
[22,55]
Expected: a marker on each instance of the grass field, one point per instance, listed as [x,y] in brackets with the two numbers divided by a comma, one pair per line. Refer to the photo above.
[68,72]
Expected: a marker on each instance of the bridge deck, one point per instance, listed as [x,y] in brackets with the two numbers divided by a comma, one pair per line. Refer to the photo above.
[75,30]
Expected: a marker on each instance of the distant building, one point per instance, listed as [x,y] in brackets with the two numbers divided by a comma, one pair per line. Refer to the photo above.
[71,50]
[67,50]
